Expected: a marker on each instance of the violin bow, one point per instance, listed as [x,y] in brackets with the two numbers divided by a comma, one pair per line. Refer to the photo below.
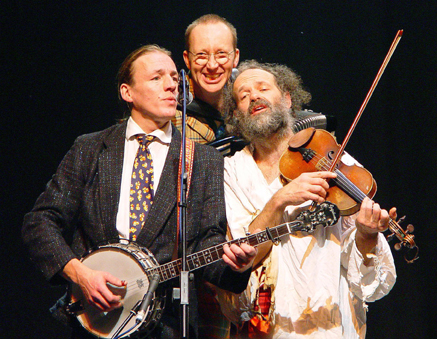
[368,96]
[405,238]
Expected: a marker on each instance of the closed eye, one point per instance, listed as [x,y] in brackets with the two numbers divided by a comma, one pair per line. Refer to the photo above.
[244,96]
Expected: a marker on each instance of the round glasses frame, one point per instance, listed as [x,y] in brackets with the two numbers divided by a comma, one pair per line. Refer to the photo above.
[202,58]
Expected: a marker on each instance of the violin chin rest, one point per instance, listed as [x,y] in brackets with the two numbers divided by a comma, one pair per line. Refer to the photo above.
[301,138]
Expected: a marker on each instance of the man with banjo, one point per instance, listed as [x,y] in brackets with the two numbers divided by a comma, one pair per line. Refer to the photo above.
[95,199]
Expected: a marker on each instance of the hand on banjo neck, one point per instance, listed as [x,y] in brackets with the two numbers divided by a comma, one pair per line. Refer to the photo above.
[138,265]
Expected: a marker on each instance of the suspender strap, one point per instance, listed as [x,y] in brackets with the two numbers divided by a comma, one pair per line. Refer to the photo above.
[189,153]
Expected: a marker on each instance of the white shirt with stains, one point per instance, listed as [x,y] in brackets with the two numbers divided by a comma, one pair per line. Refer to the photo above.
[321,285]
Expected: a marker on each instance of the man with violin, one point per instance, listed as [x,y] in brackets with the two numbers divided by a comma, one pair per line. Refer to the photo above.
[310,285]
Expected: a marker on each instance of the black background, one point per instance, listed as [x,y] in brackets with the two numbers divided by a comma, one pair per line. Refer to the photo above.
[58,65]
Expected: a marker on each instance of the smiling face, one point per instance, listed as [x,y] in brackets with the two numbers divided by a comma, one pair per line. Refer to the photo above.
[153,90]
[209,79]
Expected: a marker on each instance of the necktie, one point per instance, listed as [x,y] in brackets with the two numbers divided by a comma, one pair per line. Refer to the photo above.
[141,190]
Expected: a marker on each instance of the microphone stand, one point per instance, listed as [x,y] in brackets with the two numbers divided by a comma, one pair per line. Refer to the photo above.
[184,301]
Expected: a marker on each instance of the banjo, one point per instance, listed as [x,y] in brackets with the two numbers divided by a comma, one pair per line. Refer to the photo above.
[137,266]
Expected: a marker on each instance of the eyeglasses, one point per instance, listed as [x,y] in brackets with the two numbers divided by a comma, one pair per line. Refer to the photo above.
[202,58]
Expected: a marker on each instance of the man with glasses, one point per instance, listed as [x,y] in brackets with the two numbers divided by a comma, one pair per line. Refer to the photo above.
[210,54]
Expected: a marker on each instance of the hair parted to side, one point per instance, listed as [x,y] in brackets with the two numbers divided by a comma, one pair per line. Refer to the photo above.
[286,80]
[209,19]
[125,72]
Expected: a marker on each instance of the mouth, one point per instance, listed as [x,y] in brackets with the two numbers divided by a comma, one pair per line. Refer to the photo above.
[212,78]
[258,109]
[170,100]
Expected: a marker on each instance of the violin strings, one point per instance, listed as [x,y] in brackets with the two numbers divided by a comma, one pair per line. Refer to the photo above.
[346,184]
[395,228]
[351,188]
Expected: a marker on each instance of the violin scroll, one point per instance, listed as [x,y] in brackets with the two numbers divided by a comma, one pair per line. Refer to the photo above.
[405,237]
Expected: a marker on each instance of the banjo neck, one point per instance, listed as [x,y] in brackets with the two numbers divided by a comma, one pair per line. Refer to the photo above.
[138,267]
[325,214]
[210,255]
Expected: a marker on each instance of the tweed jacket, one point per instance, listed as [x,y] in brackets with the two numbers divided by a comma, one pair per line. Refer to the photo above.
[78,209]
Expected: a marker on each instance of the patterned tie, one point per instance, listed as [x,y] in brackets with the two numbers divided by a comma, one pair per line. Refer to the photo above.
[141,191]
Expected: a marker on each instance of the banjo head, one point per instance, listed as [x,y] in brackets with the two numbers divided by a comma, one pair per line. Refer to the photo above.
[127,262]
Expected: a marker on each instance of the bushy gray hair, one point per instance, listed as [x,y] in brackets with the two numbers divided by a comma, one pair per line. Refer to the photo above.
[286,79]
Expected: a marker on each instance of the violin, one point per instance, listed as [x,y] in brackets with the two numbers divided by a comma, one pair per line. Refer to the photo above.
[316,150]
[313,150]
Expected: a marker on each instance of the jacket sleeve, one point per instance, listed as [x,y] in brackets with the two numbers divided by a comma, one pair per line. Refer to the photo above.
[54,213]
[213,219]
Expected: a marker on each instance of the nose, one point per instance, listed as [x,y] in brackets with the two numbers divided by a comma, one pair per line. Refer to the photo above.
[212,63]
[170,84]
[254,95]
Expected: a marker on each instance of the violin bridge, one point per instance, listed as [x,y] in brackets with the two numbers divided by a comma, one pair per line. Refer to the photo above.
[322,164]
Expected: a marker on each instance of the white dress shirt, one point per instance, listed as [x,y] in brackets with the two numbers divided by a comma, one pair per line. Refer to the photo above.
[158,149]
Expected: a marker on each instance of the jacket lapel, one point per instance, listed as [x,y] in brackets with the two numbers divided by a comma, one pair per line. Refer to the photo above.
[110,168]
[166,195]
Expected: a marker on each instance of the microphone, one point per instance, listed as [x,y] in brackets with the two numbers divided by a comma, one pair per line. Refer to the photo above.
[234,74]
[189,95]
[154,282]
[181,98]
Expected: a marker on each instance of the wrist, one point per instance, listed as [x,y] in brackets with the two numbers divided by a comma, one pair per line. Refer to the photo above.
[366,244]
[72,270]
[366,236]
[276,204]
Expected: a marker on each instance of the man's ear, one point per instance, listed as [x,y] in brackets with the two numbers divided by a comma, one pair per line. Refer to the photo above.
[125,93]
[237,58]
[288,99]
[187,60]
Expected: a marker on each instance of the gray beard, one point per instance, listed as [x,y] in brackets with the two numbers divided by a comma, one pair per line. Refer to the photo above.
[263,126]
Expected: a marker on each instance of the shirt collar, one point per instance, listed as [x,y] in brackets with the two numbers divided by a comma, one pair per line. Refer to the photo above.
[164,134]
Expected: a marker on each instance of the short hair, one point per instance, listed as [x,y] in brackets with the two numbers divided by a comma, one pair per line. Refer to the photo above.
[125,72]
[286,80]
[209,19]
